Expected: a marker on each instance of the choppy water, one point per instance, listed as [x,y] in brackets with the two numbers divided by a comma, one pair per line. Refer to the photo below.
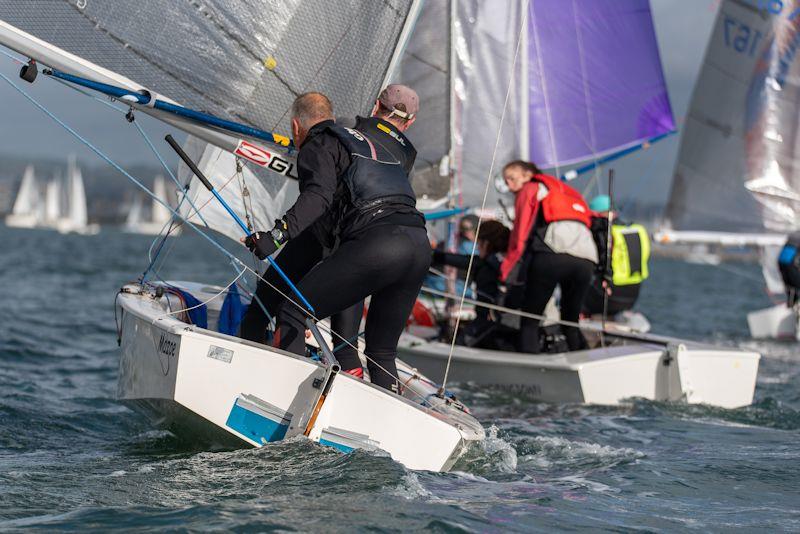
[71,457]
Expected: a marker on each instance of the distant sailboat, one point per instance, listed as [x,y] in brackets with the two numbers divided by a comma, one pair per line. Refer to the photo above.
[75,218]
[61,207]
[27,210]
[138,222]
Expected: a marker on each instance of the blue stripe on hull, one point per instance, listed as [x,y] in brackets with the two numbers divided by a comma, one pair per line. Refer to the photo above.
[339,446]
[255,426]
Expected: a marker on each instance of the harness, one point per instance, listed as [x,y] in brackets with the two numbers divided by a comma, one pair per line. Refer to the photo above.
[374,178]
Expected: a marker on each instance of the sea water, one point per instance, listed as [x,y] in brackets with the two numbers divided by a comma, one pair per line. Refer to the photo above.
[73,458]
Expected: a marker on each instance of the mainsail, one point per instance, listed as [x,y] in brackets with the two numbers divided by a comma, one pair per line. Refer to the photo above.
[242,60]
[585,80]
[738,168]
[239,60]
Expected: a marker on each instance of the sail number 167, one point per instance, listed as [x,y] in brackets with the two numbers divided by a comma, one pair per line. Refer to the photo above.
[741,37]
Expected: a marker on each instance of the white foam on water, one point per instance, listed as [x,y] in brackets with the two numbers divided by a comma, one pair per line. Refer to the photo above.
[120,473]
[591,485]
[564,448]
[411,488]
[503,454]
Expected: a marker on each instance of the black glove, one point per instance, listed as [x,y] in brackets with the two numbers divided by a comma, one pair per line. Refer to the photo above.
[261,244]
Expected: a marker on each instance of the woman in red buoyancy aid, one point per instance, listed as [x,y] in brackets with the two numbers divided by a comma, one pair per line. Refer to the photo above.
[551,244]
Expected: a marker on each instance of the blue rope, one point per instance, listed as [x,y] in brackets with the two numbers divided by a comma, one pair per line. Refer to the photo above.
[233,259]
[116,166]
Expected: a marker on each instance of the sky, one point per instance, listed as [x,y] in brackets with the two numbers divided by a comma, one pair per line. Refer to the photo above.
[682,28]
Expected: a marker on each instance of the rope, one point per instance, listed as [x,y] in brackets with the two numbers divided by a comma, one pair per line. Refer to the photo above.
[485,196]
[512,311]
[200,305]
[194,227]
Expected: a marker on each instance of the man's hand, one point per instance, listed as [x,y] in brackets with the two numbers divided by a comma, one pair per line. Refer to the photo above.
[261,244]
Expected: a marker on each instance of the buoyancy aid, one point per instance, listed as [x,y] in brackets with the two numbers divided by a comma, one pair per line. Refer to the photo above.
[562,203]
[385,133]
[630,252]
[374,179]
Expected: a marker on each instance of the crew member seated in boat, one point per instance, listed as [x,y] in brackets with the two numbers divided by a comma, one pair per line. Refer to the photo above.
[789,265]
[464,246]
[383,249]
[386,126]
[620,279]
[492,244]
[551,245]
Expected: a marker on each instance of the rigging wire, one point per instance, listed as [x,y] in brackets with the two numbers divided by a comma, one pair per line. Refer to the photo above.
[485,196]
[194,227]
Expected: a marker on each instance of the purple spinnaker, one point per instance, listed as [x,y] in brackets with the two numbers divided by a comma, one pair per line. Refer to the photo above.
[595,79]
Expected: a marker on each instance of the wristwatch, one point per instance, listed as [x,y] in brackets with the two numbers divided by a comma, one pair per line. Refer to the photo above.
[279,232]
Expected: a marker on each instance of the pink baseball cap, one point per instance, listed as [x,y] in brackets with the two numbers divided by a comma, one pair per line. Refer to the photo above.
[401,100]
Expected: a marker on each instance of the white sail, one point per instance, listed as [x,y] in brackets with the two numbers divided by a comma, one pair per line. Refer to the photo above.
[154,220]
[52,203]
[256,196]
[77,213]
[160,213]
[134,218]
[28,210]
[27,200]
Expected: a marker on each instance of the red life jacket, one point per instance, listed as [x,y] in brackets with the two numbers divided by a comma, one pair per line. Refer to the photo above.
[562,203]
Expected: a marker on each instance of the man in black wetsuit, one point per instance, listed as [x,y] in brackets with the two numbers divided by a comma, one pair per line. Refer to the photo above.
[353,189]
[393,113]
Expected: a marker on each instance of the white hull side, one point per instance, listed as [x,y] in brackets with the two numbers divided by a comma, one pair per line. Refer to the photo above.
[777,322]
[67,226]
[694,373]
[22,221]
[203,385]
[166,363]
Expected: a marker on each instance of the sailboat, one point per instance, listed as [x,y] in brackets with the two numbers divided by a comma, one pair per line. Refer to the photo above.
[61,207]
[140,222]
[586,84]
[73,218]
[737,180]
[181,364]
[27,209]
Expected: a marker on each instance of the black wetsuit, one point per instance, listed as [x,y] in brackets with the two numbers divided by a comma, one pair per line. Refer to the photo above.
[546,270]
[383,249]
[789,266]
[308,247]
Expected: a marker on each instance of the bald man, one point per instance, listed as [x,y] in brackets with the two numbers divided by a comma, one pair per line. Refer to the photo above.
[354,190]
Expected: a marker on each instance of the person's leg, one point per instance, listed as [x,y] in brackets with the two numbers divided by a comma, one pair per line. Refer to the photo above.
[338,282]
[541,282]
[295,259]
[575,281]
[404,263]
[346,323]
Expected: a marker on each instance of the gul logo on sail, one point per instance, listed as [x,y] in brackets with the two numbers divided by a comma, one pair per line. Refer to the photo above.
[261,157]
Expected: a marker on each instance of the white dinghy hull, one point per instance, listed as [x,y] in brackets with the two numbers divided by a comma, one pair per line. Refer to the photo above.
[222,391]
[679,371]
[777,322]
